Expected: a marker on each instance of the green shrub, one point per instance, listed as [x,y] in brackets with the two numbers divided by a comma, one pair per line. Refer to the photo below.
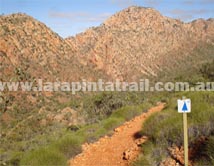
[57,153]
[69,145]
[101,105]
[44,156]
[15,158]
[204,154]
[111,123]
[209,149]
[208,71]
[127,112]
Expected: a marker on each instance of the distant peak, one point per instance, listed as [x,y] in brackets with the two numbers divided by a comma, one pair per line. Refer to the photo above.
[135,8]
[132,14]
[17,15]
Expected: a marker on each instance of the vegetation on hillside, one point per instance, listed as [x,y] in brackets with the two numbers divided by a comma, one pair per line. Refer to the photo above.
[165,129]
[60,150]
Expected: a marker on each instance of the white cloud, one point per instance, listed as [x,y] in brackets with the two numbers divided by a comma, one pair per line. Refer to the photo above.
[123,3]
[197,11]
[152,3]
[191,2]
[187,15]
[80,16]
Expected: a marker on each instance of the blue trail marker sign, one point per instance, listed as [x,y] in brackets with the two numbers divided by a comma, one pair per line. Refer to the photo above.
[184,106]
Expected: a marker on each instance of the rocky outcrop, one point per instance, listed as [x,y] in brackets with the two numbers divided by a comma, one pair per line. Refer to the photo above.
[31,48]
[140,41]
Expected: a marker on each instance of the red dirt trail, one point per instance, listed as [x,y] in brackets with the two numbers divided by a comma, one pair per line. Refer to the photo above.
[110,151]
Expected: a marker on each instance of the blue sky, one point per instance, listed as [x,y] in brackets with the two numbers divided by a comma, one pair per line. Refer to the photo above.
[69,17]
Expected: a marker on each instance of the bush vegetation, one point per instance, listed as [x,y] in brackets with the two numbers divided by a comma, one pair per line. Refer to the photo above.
[165,129]
[60,150]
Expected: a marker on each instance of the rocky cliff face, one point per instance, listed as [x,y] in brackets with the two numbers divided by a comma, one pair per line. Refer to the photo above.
[29,47]
[140,41]
[133,43]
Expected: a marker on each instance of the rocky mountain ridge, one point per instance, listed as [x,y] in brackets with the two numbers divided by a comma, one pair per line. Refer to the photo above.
[134,42]
[29,47]
[139,41]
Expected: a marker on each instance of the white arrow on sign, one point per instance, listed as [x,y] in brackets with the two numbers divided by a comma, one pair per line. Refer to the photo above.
[184,106]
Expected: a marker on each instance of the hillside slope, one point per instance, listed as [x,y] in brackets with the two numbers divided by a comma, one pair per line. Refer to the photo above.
[29,46]
[140,41]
